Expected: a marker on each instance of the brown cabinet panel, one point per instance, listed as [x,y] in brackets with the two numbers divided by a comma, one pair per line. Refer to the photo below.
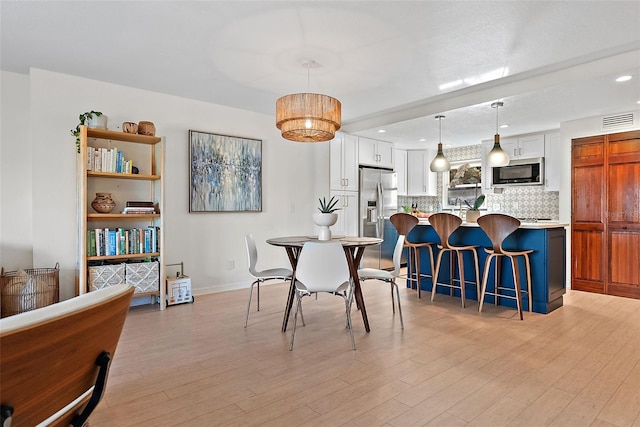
[587,151]
[624,258]
[605,216]
[624,147]
[587,194]
[624,193]
[587,250]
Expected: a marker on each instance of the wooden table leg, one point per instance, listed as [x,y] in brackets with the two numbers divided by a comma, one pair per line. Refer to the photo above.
[292,253]
[354,260]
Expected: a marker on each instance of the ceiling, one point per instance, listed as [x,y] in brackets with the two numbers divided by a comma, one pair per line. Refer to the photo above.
[548,61]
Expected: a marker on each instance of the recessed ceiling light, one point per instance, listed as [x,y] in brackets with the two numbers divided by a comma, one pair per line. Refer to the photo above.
[381,131]
[422,139]
[623,78]
[504,126]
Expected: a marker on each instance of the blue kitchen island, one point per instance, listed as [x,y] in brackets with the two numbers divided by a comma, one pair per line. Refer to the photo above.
[548,268]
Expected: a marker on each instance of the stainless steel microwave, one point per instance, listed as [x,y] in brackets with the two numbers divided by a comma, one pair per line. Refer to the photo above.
[519,172]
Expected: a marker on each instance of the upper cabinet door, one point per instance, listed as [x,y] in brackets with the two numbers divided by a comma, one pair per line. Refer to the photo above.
[367,154]
[400,168]
[343,164]
[375,153]
[531,146]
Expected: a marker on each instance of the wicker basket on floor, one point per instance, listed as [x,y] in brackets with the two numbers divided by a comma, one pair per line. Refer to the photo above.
[28,289]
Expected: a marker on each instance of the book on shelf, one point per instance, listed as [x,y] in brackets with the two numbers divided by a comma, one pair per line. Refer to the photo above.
[120,241]
[136,210]
[107,160]
[139,204]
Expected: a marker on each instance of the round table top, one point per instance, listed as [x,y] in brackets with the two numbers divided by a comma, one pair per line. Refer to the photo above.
[347,241]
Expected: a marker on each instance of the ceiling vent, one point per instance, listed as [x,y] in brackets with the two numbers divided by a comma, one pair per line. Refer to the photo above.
[618,121]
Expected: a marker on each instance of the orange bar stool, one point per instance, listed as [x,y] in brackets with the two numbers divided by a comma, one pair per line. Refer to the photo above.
[498,227]
[445,224]
[404,223]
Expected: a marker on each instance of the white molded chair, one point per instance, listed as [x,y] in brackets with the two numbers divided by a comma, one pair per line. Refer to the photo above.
[322,267]
[55,360]
[261,275]
[388,276]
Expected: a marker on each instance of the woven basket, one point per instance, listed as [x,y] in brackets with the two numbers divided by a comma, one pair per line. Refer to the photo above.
[28,289]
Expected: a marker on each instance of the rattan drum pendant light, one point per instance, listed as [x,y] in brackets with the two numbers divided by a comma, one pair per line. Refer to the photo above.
[440,162]
[308,117]
[497,156]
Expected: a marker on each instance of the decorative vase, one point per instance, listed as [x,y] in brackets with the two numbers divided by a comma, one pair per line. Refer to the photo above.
[472,216]
[130,127]
[146,128]
[103,203]
[97,122]
[324,221]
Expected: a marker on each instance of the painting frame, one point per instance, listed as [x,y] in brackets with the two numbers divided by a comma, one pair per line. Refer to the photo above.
[225,173]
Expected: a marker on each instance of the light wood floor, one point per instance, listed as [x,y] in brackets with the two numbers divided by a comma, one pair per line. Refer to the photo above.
[195,364]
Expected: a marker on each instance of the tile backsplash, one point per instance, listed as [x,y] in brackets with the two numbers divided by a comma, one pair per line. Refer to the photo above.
[519,201]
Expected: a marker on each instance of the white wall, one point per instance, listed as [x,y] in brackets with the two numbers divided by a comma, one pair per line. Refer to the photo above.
[15,173]
[294,175]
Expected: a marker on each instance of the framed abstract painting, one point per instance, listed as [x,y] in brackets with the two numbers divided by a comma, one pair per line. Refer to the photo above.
[225,173]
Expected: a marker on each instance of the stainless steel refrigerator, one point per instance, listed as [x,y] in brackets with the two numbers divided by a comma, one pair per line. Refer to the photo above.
[378,200]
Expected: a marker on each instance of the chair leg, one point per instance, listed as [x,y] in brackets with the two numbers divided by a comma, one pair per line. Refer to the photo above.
[516,283]
[461,272]
[436,272]
[295,319]
[393,303]
[477,266]
[395,285]
[246,320]
[528,271]
[485,276]
[416,253]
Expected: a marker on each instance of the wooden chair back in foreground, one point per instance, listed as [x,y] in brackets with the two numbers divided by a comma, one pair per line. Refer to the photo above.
[404,223]
[55,360]
[498,227]
[445,224]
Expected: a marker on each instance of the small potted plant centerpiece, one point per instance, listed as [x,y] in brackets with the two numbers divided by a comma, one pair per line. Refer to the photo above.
[474,209]
[326,217]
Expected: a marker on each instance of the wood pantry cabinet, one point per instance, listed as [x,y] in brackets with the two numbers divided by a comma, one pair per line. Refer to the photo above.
[139,236]
[605,214]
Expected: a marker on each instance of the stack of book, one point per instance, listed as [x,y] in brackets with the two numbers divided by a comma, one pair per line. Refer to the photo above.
[134,207]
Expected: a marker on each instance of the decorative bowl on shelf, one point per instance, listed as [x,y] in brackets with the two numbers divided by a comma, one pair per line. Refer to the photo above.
[130,127]
[146,128]
[103,203]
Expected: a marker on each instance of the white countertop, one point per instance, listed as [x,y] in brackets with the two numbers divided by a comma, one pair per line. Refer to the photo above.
[529,225]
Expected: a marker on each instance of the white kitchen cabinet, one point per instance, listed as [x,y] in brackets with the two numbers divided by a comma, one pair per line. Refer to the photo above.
[552,164]
[347,224]
[400,168]
[420,180]
[343,163]
[524,147]
[372,152]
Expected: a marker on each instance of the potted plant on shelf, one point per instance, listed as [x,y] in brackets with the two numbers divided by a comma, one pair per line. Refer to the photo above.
[326,217]
[94,119]
[474,209]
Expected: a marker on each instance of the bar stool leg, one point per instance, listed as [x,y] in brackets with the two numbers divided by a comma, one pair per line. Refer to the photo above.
[485,276]
[516,282]
[461,273]
[528,271]
[436,272]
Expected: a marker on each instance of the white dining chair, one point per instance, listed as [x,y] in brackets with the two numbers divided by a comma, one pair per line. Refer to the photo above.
[260,276]
[322,267]
[388,276]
